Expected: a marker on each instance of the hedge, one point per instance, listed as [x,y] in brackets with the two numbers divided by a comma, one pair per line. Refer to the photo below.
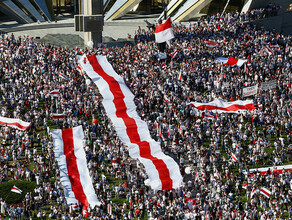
[12,197]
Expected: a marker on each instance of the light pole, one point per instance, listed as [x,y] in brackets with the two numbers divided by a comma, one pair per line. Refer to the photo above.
[91,21]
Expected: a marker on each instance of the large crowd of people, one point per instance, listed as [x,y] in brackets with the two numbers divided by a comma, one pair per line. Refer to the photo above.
[213,185]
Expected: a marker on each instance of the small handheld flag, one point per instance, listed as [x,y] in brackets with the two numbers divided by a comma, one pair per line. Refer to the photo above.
[16,190]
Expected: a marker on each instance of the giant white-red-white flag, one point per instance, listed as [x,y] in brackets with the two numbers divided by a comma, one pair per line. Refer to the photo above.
[164,32]
[220,106]
[70,155]
[230,61]
[162,170]
[277,169]
[14,123]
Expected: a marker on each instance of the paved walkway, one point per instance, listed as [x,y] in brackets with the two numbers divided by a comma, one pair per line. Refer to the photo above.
[114,29]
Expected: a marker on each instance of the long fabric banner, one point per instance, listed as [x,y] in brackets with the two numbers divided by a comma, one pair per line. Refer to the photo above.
[230,61]
[220,106]
[264,170]
[162,170]
[70,155]
[14,123]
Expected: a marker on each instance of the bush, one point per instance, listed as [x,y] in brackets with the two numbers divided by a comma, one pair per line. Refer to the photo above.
[12,197]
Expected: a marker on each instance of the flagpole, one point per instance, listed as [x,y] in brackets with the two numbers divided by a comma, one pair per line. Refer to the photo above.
[225,7]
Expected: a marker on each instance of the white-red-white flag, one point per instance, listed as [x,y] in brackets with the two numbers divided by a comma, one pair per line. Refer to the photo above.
[17,52]
[230,61]
[118,102]
[61,75]
[160,131]
[245,68]
[275,47]
[287,49]
[70,155]
[16,190]
[268,50]
[217,174]
[164,32]
[252,192]
[79,69]
[234,158]
[174,54]
[14,123]
[264,191]
[58,116]
[211,43]
[245,185]
[208,115]
[220,106]
[53,93]
[203,175]
[109,209]
[180,76]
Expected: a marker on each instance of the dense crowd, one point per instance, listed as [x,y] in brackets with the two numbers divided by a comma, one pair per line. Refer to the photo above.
[258,138]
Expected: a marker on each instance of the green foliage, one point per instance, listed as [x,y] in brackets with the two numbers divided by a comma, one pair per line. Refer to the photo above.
[14,198]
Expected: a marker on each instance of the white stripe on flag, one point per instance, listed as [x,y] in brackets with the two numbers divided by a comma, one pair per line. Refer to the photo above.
[164,32]
[220,106]
[234,158]
[109,209]
[16,190]
[74,172]
[85,179]
[118,102]
[265,192]
[14,123]
[62,163]
[53,93]
[252,192]
[230,61]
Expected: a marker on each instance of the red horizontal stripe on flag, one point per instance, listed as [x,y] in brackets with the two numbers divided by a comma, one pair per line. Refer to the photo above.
[14,124]
[231,62]
[229,108]
[131,126]
[73,173]
[266,193]
[164,26]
